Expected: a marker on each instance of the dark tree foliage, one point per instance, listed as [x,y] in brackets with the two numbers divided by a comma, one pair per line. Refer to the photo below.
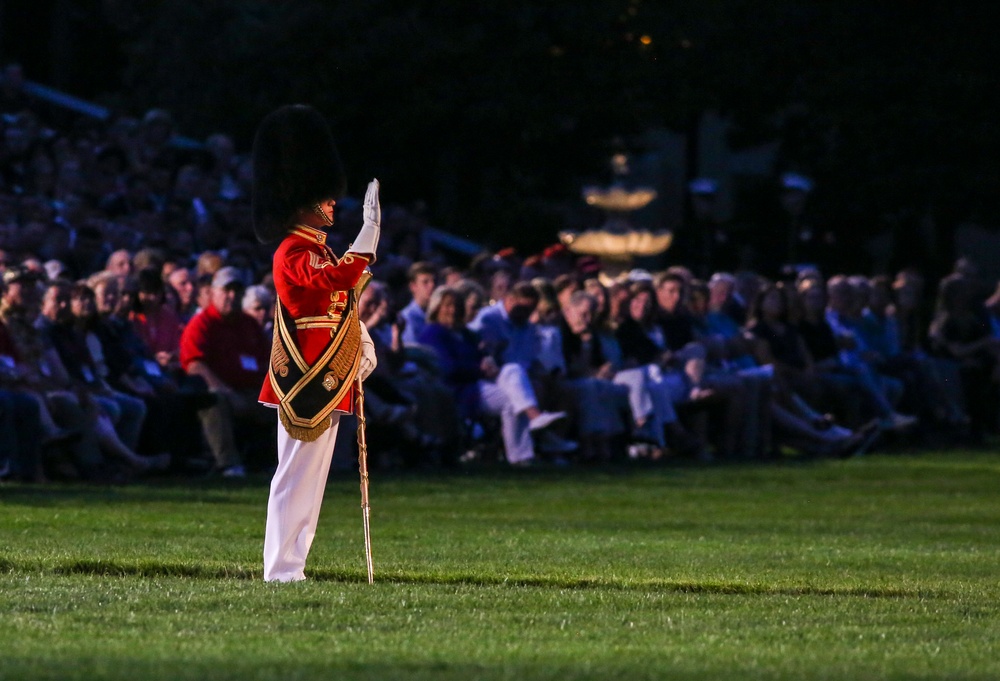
[494,112]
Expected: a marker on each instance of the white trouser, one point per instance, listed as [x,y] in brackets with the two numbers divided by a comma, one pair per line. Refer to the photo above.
[509,395]
[652,394]
[293,505]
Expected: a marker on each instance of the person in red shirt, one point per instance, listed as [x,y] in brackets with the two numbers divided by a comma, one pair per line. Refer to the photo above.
[319,345]
[223,345]
[155,322]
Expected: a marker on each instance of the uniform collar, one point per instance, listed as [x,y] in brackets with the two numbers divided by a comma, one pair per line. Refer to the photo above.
[309,234]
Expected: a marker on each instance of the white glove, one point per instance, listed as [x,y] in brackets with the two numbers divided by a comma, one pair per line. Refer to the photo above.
[367,240]
[368,360]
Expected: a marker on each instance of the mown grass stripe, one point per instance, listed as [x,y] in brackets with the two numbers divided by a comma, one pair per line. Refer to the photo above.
[151,569]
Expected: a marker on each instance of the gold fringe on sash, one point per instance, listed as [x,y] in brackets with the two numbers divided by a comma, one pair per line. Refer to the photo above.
[335,370]
[300,432]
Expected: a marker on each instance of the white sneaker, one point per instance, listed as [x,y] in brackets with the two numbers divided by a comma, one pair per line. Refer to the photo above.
[902,421]
[545,419]
[237,471]
[840,431]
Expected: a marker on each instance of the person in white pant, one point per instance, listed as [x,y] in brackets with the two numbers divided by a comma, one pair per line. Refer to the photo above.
[319,348]
[480,384]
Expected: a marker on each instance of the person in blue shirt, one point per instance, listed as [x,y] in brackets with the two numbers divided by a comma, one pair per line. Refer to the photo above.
[422,280]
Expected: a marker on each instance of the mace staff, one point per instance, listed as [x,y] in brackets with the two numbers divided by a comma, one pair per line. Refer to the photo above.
[359,412]
[363,470]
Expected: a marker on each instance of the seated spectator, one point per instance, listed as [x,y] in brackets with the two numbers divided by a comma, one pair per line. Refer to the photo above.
[21,434]
[731,371]
[186,303]
[505,329]
[172,398]
[224,346]
[422,280]
[602,407]
[119,263]
[500,282]
[603,324]
[925,389]
[258,302]
[549,307]
[451,275]
[564,286]
[722,286]
[209,262]
[510,337]
[545,322]
[33,368]
[78,343]
[74,403]
[156,323]
[414,413]
[473,295]
[838,360]
[203,293]
[779,343]
[480,384]
[961,332]
[733,395]
[783,418]
[657,378]
[149,257]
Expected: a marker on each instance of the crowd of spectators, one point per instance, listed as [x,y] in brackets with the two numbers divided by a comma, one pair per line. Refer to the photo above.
[136,308]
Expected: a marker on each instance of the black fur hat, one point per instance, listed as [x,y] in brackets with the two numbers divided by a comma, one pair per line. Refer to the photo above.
[295,165]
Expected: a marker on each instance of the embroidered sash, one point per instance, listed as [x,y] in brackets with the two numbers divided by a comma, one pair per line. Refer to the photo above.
[308,395]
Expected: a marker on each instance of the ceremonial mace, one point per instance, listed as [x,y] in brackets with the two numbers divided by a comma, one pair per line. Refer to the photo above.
[363,446]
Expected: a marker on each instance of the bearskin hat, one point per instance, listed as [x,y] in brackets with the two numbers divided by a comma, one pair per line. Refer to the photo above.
[295,165]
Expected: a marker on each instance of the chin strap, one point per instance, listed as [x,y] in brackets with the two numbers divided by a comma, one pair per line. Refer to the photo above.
[318,209]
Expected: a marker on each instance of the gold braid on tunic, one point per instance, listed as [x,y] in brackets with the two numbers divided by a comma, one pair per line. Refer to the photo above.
[308,395]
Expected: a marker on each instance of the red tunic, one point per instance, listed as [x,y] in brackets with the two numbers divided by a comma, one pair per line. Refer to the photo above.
[312,283]
[234,348]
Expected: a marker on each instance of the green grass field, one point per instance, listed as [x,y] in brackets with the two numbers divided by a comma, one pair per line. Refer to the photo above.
[885,567]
